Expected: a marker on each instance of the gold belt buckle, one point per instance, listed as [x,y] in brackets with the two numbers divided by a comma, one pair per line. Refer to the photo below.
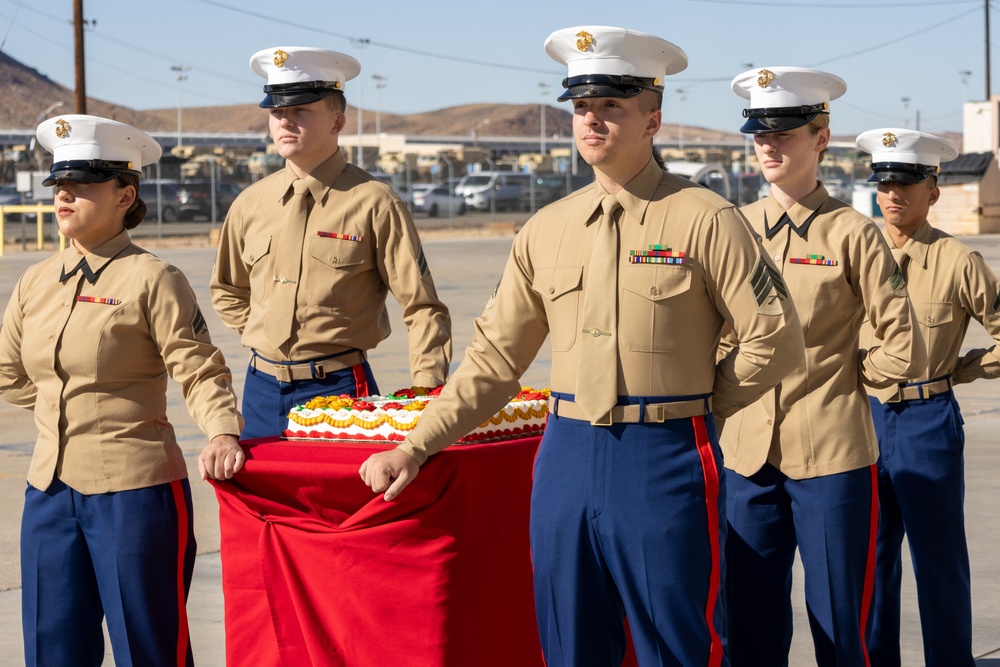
[601,421]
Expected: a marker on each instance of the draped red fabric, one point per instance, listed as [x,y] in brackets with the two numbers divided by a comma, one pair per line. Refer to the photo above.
[318,570]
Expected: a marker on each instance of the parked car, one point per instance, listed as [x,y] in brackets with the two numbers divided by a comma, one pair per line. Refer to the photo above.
[438,200]
[168,201]
[195,198]
[485,189]
[712,175]
[548,188]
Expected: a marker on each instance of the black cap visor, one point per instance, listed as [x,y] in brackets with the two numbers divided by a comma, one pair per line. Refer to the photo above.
[297,94]
[606,85]
[87,171]
[779,119]
[900,172]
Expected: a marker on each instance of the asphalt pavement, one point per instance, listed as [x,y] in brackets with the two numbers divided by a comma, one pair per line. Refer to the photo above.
[466,264]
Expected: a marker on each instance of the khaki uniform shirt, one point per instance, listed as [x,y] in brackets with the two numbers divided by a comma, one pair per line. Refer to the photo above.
[949,284]
[817,421]
[360,242]
[92,360]
[670,317]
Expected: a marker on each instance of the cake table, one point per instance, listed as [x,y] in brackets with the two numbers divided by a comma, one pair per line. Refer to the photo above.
[318,570]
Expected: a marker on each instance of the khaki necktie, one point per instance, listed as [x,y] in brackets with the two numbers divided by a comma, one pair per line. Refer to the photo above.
[902,259]
[597,373]
[287,264]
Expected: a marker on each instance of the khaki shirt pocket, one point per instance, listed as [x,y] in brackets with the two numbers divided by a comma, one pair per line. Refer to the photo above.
[255,250]
[560,288]
[650,304]
[334,263]
[934,316]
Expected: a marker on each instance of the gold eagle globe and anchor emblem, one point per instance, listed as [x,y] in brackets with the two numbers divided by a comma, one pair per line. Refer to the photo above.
[888,139]
[63,128]
[584,40]
[764,78]
[280,58]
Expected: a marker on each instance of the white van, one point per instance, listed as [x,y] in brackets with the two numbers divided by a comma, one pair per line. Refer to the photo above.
[499,190]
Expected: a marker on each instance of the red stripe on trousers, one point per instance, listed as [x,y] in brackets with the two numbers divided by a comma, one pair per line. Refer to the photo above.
[866,596]
[182,540]
[360,380]
[711,473]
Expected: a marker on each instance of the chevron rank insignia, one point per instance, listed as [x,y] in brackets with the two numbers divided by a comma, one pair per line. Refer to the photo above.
[896,281]
[198,323]
[768,288]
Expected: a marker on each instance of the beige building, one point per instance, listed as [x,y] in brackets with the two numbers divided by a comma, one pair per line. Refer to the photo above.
[970,196]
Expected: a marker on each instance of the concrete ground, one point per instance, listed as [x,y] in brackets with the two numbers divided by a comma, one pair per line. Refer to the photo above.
[466,267]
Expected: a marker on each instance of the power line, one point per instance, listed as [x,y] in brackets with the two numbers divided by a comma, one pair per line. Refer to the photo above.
[270,18]
[840,5]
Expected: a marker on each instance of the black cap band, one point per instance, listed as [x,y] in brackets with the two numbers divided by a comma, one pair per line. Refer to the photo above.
[89,171]
[778,119]
[296,94]
[606,85]
[901,172]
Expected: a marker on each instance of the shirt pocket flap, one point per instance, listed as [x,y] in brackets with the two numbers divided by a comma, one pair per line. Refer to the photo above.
[933,313]
[656,282]
[338,252]
[557,281]
[255,248]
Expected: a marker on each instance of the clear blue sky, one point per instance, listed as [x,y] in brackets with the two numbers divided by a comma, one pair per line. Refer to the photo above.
[441,53]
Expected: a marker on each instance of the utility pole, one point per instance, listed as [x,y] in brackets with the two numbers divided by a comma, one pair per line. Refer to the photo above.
[986,7]
[81,79]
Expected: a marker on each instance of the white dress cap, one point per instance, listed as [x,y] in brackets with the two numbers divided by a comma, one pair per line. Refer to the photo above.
[604,61]
[905,156]
[91,149]
[302,74]
[783,98]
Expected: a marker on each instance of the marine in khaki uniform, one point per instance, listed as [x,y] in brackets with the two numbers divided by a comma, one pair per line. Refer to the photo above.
[632,279]
[309,254]
[800,461]
[919,424]
[89,338]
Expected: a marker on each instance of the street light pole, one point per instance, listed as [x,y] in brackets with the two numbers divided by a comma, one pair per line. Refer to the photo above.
[181,76]
[360,44]
[545,94]
[379,85]
[906,113]
[681,96]
[965,74]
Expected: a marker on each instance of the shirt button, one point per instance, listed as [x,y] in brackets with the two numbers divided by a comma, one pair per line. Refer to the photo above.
[251,258]
[777,258]
[654,291]
[552,290]
[66,304]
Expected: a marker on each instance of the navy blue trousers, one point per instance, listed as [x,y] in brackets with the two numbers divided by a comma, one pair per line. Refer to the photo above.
[628,520]
[921,480]
[832,520]
[267,402]
[126,556]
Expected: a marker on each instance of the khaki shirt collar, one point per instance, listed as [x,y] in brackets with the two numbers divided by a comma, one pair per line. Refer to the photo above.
[636,194]
[320,180]
[918,245]
[802,212]
[99,258]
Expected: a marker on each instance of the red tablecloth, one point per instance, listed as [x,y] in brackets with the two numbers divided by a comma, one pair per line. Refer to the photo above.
[318,570]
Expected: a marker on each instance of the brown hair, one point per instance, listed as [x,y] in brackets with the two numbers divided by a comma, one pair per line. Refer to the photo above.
[137,212]
[822,120]
[336,102]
